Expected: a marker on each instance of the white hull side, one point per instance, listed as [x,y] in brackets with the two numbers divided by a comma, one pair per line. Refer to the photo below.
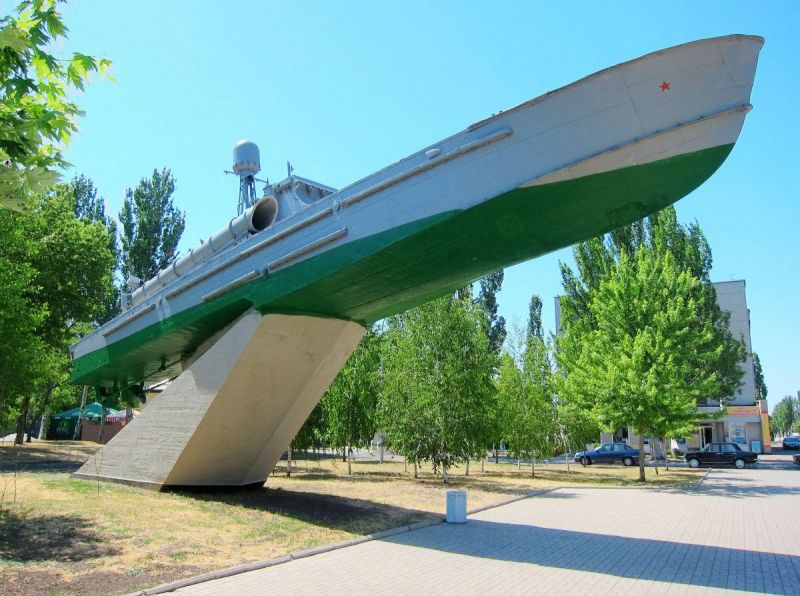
[614,108]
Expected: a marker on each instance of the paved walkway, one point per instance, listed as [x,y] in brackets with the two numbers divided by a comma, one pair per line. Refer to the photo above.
[740,531]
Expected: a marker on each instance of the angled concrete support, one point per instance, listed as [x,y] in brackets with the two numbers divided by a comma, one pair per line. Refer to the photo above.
[226,420]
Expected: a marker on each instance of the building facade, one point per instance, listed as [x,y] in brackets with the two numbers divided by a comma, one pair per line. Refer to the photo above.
[745,420]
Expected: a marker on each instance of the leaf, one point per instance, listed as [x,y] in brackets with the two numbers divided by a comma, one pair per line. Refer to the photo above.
[41,179]
[12,203]
[11,37]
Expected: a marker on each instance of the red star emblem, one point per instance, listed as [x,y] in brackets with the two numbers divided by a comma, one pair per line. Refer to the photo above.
[664,86]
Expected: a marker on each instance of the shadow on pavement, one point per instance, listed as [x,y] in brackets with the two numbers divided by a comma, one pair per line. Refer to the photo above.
[638,558]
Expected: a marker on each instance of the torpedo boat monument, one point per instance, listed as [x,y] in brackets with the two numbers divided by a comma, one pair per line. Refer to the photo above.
[254,323]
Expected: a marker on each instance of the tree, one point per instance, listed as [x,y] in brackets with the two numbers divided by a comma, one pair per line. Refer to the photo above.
[487,299]
[312,435]
[785,415]
[350,403]
[597,259]
[90,207]
[151,226]
[646,359]
[37,117]
[758,374]
[437,383]
[67,266]
[20,316]
[528,410]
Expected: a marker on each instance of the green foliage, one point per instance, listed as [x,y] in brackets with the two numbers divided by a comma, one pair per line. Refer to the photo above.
[313,433]
[349,405]
[646,358]
[74,267]
[88,206]
[758,374]
[598,258]
[21,315]
[56,272]
[37,117]
[487,299]
[437,400]
[528,414]
[785,415]
[151,226]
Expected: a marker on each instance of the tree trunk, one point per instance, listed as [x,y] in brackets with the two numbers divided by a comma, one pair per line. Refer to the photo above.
[350,460]
[77,434]
[381,453]
[533,472]
[48,393]
[21,420]
[289,462]
[23,415]
[444,474]
[641,459]
[654,455]
[466,473]
[44,425]
[45,405]
[483,459]
[496,454]
[416,470]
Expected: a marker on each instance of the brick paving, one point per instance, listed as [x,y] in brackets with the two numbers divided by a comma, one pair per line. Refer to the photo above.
[740,531]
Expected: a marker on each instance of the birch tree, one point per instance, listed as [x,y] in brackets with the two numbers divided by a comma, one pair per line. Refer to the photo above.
[438,390]
[350,403]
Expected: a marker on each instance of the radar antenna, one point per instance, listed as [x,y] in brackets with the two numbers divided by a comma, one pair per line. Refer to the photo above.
[246,164]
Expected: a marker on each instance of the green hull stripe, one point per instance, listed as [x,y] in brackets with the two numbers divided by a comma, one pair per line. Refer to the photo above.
[371,278]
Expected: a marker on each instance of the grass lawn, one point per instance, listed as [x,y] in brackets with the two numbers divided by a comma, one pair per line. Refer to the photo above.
[59,535]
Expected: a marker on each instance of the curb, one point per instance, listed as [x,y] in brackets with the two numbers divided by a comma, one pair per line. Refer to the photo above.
[700,483]
[318,550]
[528,495]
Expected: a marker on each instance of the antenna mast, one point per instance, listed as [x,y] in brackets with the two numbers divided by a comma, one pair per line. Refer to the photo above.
[246,164]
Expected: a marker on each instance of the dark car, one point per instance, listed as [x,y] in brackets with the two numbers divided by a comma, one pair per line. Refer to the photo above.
[791,442]
[609,452]
[796,458]
[719,454]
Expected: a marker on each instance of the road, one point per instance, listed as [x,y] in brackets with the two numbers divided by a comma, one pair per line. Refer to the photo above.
[739,531]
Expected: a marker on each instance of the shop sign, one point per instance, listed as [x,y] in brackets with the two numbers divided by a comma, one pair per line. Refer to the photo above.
[743,411]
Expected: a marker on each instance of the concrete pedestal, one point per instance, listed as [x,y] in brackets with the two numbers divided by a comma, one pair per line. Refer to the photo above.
[226,420]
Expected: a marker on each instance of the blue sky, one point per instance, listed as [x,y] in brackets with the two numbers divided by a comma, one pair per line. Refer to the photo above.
[344,88]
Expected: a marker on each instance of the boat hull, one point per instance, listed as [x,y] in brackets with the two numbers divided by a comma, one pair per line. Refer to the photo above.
[562,168]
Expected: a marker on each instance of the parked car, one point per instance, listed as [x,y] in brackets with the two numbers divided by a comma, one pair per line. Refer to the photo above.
[791,442]
[609,452]
[796,458]
[721,454]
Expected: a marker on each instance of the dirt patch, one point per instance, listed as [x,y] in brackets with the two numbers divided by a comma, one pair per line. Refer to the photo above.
[94,583]
[26,536]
